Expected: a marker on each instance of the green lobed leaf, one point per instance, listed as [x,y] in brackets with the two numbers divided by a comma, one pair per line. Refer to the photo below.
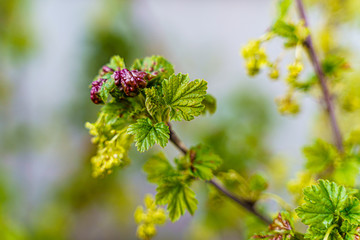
[318,233]
[249,188]
[158,168]
[257,182]
[287,31]
[104,93]
[155,104]
[352,232]
[283,8]
[107,88]
[351,212]
[184,97]
[178,196]
[147,134]
[203,162]
[333,64]
[116,62]
[323,203]
[319,155]
[210,104]
[347,171]
[112,113]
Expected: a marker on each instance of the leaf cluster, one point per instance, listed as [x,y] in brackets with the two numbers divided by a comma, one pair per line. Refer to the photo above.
[143,117]
[282,227]
[174,181]
[249,188]
[330,210]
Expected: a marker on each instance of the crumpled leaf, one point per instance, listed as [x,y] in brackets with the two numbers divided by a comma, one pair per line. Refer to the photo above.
[281,228]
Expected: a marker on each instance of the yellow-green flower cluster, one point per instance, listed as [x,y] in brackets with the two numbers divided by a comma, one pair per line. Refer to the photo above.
[111,154]
[301,31]
[149,218]
[296,186]
[294,71]
[100,130]
[348,92]
[255,57]
[288,105]
[112,146]
[351,103]
[354,136]
[274,72]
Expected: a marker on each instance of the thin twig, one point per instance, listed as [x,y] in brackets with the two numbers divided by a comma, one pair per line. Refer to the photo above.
[323,82]
[247,205]
[176,140]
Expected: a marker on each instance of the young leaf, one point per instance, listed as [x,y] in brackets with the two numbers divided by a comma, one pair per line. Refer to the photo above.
[319,233]
[203,162]
[352,232]
[281,228]
[249,189]
[287,31]
[156,66]
[147,134]
[209,103]
[116,62]
[347,171]
[178,196]
[292,33]
[333,65]
[351,212]
[184,97]
[283,8]
[155,104]
[109,87]
[323,202]
[116,113]
[158,168]
[319,155]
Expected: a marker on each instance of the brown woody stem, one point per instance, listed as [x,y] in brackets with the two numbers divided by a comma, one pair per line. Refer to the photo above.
[323,82]
[247,205]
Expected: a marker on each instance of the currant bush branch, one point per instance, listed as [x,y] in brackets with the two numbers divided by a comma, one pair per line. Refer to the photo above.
[329,209]
[141,101]
[249,206]
[308,43]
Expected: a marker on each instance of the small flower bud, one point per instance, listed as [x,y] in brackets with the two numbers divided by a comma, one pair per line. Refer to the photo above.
[295,69]
[287,105]
[274,73]
[255,57]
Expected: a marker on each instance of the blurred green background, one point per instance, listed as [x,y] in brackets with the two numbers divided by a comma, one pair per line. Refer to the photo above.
[49,53]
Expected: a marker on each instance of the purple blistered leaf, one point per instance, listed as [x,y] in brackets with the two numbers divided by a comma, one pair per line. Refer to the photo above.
[95,89]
